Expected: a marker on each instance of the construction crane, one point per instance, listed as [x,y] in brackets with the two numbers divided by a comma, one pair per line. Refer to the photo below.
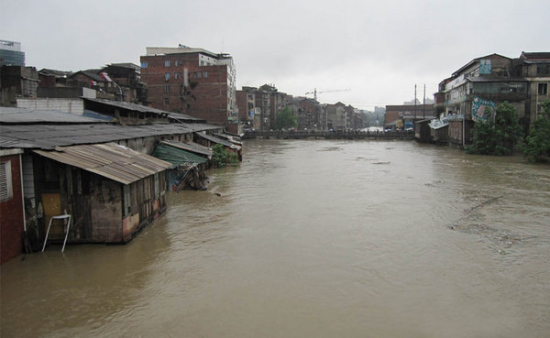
[315,92]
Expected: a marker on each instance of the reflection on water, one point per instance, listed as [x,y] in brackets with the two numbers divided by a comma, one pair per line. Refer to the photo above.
[313,238]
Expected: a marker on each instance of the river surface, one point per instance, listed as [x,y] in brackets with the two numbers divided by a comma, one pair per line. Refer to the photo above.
[313,239]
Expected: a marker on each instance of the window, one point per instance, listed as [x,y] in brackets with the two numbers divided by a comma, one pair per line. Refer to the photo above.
[543,69]
[167,89]
[6,189]
[176,63]
[167,63]
[166,101]
[144,65]
[543,88]
[167,76]
[199,75]
[205,75]
[176,75]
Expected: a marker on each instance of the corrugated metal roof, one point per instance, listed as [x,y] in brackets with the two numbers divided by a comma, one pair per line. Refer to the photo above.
[219,141]
[191,147]
[127,106]
[24,115]
[185,118]
[109,160]
[231,138]
[176,156]
[47,136]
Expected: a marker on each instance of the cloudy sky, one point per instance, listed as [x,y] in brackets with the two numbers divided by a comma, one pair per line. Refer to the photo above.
[360,52]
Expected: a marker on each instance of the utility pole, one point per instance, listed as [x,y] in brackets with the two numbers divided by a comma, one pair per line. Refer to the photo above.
[414,121]
[424,104]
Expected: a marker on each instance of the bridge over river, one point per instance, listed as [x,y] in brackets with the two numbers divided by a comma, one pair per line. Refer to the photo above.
[334,135]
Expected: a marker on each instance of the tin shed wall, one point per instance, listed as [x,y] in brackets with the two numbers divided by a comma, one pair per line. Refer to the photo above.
[95,204]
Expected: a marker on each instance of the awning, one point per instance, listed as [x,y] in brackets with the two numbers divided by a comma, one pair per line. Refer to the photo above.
[176,156]
[191,147]
[109,160]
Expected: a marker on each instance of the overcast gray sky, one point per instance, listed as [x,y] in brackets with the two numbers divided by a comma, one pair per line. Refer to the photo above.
[378,50]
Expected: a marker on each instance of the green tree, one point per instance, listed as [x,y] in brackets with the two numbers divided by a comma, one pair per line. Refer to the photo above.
[498,134]
[537,143]
[222,157]
[285,119]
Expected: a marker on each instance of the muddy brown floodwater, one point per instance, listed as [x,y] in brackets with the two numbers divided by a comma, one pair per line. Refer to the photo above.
[313,239]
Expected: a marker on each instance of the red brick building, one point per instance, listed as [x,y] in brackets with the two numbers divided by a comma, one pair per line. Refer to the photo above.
[310,115]
[192,81]
[11,205]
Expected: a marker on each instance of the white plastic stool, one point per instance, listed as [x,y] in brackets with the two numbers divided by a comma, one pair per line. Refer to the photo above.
[67,230]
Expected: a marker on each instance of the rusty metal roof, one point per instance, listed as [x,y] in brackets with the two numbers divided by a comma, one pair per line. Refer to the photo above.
[109,160]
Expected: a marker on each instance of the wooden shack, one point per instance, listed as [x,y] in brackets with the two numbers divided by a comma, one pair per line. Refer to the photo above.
[110,191]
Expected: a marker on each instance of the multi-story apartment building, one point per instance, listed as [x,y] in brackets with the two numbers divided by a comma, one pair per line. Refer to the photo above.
[488,81]
[336,116]
[193,81]
[262,106]
[249,114]
[535,68]
[310,114]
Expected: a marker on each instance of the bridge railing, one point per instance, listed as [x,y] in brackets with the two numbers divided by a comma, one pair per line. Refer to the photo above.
[337,134]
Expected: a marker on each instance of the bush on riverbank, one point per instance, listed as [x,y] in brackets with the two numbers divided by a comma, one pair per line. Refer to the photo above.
[537,143]
[498,134]
[222,157]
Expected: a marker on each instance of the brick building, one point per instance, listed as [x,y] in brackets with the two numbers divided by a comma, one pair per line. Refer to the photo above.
[261,106]
[337,116]
[397,116]
[17,82]
[310,114]
[192,81]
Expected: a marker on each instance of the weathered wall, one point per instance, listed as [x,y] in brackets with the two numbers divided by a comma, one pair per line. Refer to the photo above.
[105,210]
[457,130]
[11,212]
[73,106]
[147,203]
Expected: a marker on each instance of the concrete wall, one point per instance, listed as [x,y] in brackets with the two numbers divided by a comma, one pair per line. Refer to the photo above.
[73,106]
